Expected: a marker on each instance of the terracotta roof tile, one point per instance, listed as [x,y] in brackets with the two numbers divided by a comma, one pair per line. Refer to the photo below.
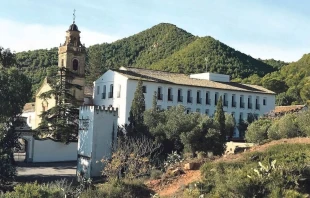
[183,79]
[286,109]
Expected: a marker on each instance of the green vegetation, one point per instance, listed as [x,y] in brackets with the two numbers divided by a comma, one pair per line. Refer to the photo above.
[14,93]
[280,171]
[162,47]
[61,121]
[287,126]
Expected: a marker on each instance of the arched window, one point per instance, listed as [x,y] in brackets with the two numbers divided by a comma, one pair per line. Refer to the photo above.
[75,64]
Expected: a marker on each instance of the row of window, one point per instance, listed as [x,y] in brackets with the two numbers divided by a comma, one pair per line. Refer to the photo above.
[250,116]
[189,98]
[110,93]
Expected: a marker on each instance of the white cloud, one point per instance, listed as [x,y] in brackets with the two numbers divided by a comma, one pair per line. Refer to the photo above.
[23,37]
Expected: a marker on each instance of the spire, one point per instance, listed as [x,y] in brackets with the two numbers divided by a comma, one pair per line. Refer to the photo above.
[74,16]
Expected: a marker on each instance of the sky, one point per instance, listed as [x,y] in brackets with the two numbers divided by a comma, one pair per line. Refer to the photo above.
[278,29]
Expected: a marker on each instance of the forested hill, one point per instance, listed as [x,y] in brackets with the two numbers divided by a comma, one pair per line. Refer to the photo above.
[162,47]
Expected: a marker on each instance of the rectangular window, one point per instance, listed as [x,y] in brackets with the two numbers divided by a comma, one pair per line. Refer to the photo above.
[233,100]
[264,101]
[170,96]
[180,97]
[98,90]
[225,101]
[198,97]
[207,111]
[111,91]
[62,62]
[189,96]
[241,101]
[159,93]
[198,110]
[249,102]
[104,92]
[216,98]
[257,106]
[208,101]
[240,117]
[144,89]
[188,110]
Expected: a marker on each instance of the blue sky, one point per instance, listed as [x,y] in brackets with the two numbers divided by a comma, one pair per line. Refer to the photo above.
[277,29]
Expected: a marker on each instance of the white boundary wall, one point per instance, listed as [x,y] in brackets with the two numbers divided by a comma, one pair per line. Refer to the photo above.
[51,151]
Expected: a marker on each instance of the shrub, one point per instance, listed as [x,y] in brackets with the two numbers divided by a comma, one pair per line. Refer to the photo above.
[238,179]
[303,120]
[257,131]
[119,188]
[273,131]
[156,174]
[34,190]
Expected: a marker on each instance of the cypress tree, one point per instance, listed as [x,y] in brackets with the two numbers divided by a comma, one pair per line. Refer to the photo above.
[136,125]
[219,119]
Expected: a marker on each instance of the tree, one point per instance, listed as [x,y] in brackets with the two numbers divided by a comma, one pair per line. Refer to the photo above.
[257,131]
[219,119]
[15,91]
[94,64]
[136,125]
[7,58]
[278,86]
[229,125]
[61,121]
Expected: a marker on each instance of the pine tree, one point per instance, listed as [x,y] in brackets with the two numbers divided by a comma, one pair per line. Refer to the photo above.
[219,119]
[154,102]
[61,121]
[136,125]
[94,64]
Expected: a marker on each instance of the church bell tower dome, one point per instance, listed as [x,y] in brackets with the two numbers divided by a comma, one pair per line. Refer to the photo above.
[73,27]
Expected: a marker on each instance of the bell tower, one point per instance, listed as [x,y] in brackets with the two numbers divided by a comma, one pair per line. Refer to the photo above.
[71,55]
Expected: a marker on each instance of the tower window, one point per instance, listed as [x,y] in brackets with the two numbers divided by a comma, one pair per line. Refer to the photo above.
[75,65]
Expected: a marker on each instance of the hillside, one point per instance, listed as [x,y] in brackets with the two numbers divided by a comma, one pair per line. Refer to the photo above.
[178,185]
[163,47]
[221,59]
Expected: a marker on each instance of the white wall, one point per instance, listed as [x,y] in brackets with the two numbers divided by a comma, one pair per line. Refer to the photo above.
[51,151]
[127,94]
[30,118]
[95,141]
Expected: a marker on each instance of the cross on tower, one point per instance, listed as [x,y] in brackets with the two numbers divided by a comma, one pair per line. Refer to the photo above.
[74,16]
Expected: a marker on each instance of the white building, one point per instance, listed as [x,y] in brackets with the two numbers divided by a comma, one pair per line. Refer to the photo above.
[197,92]
[28,115]
[97,134]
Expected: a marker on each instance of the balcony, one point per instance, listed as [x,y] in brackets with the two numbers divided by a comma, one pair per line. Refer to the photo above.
[110,94]
[225,103]
[180,98]
[160,97]
[257,106]
[241,104]
[233,104]
[189,99]
[103,96]
[249,105]
[170,97]
[198,101]
[208,101]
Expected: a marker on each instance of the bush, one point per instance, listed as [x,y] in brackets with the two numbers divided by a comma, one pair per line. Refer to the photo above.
[119,188]
[34,190]
[285,127]
[238,179]
[257,131]
[303,120]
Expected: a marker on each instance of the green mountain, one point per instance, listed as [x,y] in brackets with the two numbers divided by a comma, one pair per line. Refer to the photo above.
[220,59]
[162,47]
